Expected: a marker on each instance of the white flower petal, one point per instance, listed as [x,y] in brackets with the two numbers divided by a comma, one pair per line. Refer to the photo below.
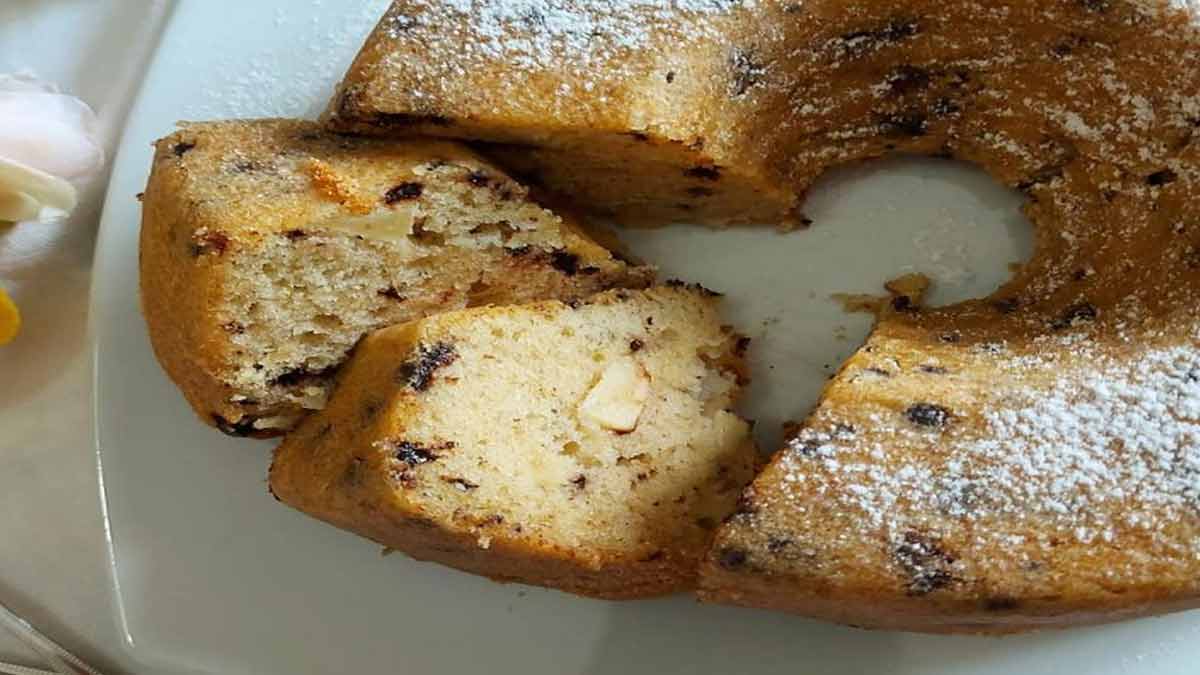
[21,184]
[18,206]
[46,130]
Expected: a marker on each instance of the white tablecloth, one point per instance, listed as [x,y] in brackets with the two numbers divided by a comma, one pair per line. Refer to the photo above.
[53,568]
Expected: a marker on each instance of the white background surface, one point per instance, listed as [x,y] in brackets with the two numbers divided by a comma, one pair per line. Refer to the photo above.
[219,578]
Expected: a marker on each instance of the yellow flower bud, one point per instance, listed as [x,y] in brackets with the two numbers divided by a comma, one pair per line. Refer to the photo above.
[10,319]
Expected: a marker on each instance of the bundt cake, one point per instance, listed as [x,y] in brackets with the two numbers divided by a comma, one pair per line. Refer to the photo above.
[269,247]
[1024,460]
[585,446]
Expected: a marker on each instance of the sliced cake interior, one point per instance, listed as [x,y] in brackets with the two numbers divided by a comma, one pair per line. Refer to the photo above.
[269,248]
[587,446]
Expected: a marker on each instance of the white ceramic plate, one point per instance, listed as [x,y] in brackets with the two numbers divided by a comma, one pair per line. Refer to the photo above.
[212,575]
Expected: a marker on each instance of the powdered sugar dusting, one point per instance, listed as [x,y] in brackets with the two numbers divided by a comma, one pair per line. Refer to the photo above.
[532,33]
[1111,447]
[589,41]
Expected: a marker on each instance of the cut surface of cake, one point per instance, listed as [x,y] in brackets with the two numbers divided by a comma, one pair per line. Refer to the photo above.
[587,447]
[269,247]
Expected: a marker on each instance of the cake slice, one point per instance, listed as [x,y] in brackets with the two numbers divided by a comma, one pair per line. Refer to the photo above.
[587,447]
[268,248]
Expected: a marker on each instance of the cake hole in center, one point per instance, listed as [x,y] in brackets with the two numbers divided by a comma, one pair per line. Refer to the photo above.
[871,223]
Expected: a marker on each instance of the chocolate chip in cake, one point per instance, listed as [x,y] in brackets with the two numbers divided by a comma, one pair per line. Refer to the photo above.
[903,303]
[927,415]
[731,558]
[670,76]
[742,345]
[565,262]
[747,71]
[908,123]
[679,283]
[242,428]
[636,345]
[580,482]
[860,42]
[534,18]
[295,235]
[778,544]
[905,79]
[403,192]
[249,166]
[518,251]
[1098,6]
[182,148]
[478,178]
[928,566]
[1068,44]
[418,373]
[402,23]
[233,328]
[1160,178]
[805,448]
[944,107]
[1006,305]
[409,120]
[296,376]
[416,454]
[1074,315]
[704,172]
[392,293]
[421,235]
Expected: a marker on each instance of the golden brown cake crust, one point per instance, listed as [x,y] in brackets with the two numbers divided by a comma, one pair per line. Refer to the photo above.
[221,193]
[378,459]
[1025,460]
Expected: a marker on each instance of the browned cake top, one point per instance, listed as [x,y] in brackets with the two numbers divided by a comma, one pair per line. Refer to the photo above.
[248,177]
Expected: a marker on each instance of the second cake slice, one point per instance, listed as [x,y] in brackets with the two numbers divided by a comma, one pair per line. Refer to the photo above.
[587,447]
[269,247]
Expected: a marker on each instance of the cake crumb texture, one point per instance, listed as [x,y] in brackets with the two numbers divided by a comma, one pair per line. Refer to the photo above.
[588,447]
